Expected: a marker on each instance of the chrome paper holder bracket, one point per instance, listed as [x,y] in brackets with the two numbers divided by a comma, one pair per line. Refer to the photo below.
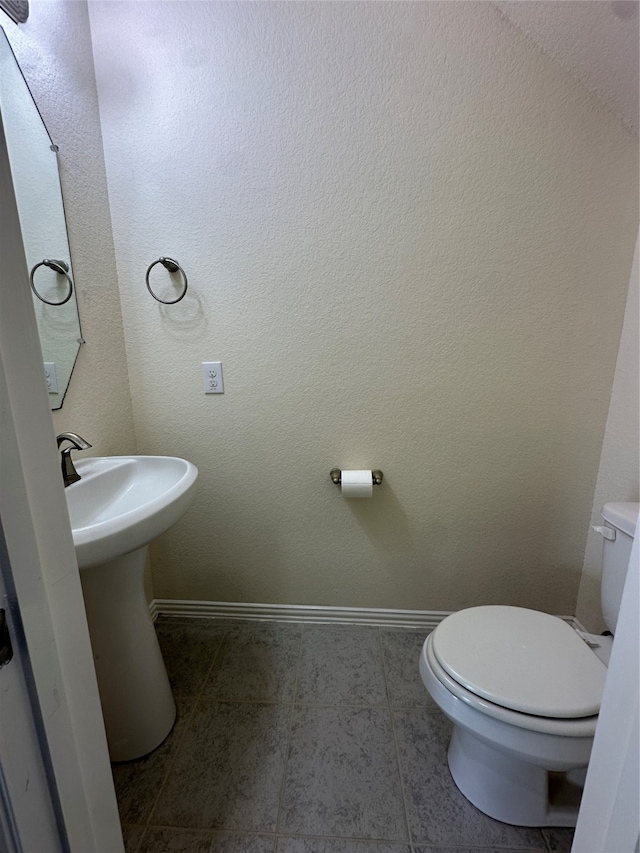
[336,476]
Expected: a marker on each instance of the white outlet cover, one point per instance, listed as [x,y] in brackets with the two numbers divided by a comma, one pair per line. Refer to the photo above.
[212,377]
[51,376]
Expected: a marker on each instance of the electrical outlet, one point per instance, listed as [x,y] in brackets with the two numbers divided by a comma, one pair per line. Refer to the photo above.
[212,377]
[52,376]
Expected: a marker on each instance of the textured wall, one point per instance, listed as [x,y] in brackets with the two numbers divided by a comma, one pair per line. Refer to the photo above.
[54,52]
[618,472]
[597,42]
[408,235]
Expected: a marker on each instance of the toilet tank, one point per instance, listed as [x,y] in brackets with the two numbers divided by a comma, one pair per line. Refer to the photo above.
[618,534]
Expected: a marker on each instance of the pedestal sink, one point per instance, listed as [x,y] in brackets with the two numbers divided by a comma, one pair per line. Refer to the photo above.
[119,505]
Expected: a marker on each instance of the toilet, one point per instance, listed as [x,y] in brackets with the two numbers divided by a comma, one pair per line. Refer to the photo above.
[523,690]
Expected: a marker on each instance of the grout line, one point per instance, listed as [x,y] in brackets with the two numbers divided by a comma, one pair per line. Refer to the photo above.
[285,769]
[454,846]
[395,742]
[216,830]
[379,706]
[173,757]
[359,839]
[276,836]
[425,709]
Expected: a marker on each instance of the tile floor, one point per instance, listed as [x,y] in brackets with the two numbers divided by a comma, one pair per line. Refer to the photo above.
[296,738]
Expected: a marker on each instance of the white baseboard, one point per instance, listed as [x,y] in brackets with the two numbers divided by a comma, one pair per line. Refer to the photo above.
[427,619]
[297,613]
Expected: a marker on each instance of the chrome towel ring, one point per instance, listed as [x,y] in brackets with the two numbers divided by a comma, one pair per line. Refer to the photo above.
[171,266]
[62,268]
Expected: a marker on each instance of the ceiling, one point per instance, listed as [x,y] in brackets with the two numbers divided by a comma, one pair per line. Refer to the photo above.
[595,40]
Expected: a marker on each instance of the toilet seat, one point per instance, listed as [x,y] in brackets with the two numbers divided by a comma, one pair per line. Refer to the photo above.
[521,660]
[583,727]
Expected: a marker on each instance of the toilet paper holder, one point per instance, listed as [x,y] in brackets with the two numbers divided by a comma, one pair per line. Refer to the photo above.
[336,476]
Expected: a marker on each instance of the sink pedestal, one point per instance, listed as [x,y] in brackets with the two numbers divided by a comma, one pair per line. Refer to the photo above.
[137,703]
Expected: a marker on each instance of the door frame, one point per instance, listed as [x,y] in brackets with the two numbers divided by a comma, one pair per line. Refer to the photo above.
[609,812]
[45,573]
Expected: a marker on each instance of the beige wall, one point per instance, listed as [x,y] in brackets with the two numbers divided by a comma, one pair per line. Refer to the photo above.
[408,236]
[618,471]
[54,51]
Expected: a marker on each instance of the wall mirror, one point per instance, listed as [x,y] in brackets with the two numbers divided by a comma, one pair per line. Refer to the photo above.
[34,169]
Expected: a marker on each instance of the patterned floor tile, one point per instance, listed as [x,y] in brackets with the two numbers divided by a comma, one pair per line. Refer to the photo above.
[132,836]
[342,776]
[437,812]
[242,843]
[164,840]
[222,792]
[188,650]
[228,771]
[430,849]
[341,665]
[138,783]
[337,845]
[169,840]
[559,840]
[401,650]
[256,663]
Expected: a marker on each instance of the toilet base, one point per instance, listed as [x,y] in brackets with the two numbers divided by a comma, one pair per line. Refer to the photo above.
[511,790]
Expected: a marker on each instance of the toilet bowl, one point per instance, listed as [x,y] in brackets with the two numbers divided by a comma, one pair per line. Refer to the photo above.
[523,690]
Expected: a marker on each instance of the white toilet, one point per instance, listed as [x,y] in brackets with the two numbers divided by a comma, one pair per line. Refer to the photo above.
[523,691]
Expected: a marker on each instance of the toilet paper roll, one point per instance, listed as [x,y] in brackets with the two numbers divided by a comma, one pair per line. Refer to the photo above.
[356,484]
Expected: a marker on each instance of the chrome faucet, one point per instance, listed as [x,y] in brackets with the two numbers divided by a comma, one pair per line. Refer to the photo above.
[69,473]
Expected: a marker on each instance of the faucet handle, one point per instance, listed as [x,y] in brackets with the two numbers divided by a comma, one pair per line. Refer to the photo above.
[78,442]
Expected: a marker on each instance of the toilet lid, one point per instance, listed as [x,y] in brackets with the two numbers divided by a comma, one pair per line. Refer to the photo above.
[521,659]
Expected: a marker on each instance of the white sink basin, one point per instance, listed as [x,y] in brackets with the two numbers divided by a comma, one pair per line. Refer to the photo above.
[123,502]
